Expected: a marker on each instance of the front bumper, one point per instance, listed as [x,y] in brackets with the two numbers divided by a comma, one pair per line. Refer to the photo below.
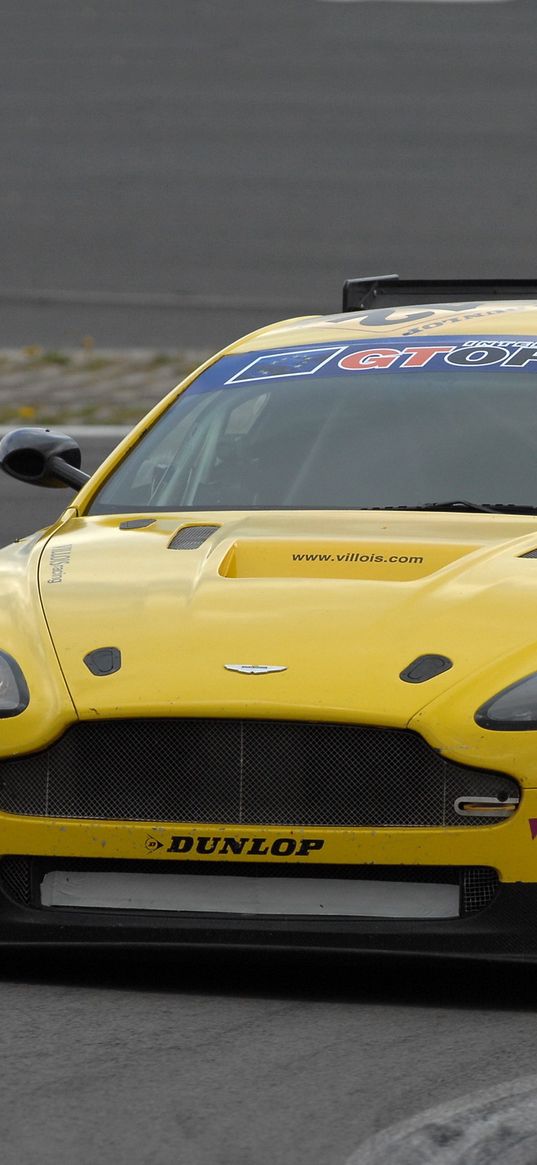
[505,927]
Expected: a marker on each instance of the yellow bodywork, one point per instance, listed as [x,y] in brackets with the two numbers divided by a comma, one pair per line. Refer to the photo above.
[344,600]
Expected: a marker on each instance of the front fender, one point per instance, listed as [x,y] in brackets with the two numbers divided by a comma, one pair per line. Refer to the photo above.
[24,634]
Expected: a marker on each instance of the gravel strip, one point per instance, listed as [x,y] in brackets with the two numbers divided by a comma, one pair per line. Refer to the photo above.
[88,385]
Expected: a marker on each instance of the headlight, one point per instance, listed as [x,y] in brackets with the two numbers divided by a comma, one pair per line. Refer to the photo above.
[513,710]
[14,694]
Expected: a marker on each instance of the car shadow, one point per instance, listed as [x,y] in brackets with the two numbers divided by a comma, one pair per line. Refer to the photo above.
[394,980]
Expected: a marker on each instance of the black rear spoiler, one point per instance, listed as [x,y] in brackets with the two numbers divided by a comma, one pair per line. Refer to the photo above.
[391,291]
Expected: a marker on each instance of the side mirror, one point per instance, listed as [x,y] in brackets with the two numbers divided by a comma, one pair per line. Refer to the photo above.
[40,457]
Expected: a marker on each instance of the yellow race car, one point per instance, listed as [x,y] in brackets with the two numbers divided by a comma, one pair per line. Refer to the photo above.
[271,678]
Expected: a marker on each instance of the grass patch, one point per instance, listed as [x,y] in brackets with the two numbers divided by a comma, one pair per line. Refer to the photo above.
[97,364]
[53,357]
[159,360]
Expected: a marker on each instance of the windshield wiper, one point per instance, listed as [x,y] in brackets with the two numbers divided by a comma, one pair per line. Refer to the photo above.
[464,507]
[459,504]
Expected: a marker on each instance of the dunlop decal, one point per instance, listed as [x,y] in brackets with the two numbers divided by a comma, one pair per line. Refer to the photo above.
[246,847]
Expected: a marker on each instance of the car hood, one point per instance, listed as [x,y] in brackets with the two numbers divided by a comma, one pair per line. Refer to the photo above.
[343,602]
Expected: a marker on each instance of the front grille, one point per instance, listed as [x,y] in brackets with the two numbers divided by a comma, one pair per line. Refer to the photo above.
[21,877]
[257,772]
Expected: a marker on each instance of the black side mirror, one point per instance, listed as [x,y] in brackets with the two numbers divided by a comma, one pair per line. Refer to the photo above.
[40,457]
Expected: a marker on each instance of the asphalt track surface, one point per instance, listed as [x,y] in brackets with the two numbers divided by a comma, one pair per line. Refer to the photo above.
[249,1060]
[181,172]
[234,162]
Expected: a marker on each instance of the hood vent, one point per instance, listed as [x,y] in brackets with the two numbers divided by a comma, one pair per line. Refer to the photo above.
[529,554]
[136,523]
[190,537]
[424,668]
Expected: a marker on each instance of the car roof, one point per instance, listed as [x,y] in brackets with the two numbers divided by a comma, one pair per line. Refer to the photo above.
[491,318]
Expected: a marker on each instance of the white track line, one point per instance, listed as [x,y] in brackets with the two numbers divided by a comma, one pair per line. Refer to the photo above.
[497,1126]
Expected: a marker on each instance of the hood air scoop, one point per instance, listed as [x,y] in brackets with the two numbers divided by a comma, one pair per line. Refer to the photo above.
[190,537]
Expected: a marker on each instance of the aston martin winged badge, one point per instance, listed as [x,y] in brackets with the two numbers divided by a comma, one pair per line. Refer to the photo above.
[253,669]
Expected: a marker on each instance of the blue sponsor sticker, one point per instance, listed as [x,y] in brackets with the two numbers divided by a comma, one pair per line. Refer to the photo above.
[435,354]
[290,362]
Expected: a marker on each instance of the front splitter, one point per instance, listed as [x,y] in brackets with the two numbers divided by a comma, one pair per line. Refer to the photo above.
[506,929]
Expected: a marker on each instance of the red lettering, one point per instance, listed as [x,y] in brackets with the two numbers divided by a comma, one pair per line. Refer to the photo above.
[419,357]
[372,358]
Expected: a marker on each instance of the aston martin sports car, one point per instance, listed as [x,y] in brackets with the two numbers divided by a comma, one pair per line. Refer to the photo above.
[270,680]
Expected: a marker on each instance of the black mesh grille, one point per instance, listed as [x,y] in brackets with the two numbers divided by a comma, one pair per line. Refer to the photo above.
[479,886]
[257,772]
[190,537]
[15,877]
[21,877]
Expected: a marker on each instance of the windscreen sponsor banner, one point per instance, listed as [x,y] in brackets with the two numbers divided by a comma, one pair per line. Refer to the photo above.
[441,354]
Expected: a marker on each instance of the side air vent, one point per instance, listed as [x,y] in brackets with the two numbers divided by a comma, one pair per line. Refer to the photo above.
[103,661]
[190,537]
[530,554]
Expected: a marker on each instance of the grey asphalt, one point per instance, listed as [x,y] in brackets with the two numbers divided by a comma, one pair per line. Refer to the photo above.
[243,159]
[244,1061]
[249,156]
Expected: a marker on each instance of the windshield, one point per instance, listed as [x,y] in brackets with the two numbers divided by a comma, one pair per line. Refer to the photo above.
[343,426]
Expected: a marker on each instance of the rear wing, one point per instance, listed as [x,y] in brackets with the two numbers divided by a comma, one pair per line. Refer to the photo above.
[379,291]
